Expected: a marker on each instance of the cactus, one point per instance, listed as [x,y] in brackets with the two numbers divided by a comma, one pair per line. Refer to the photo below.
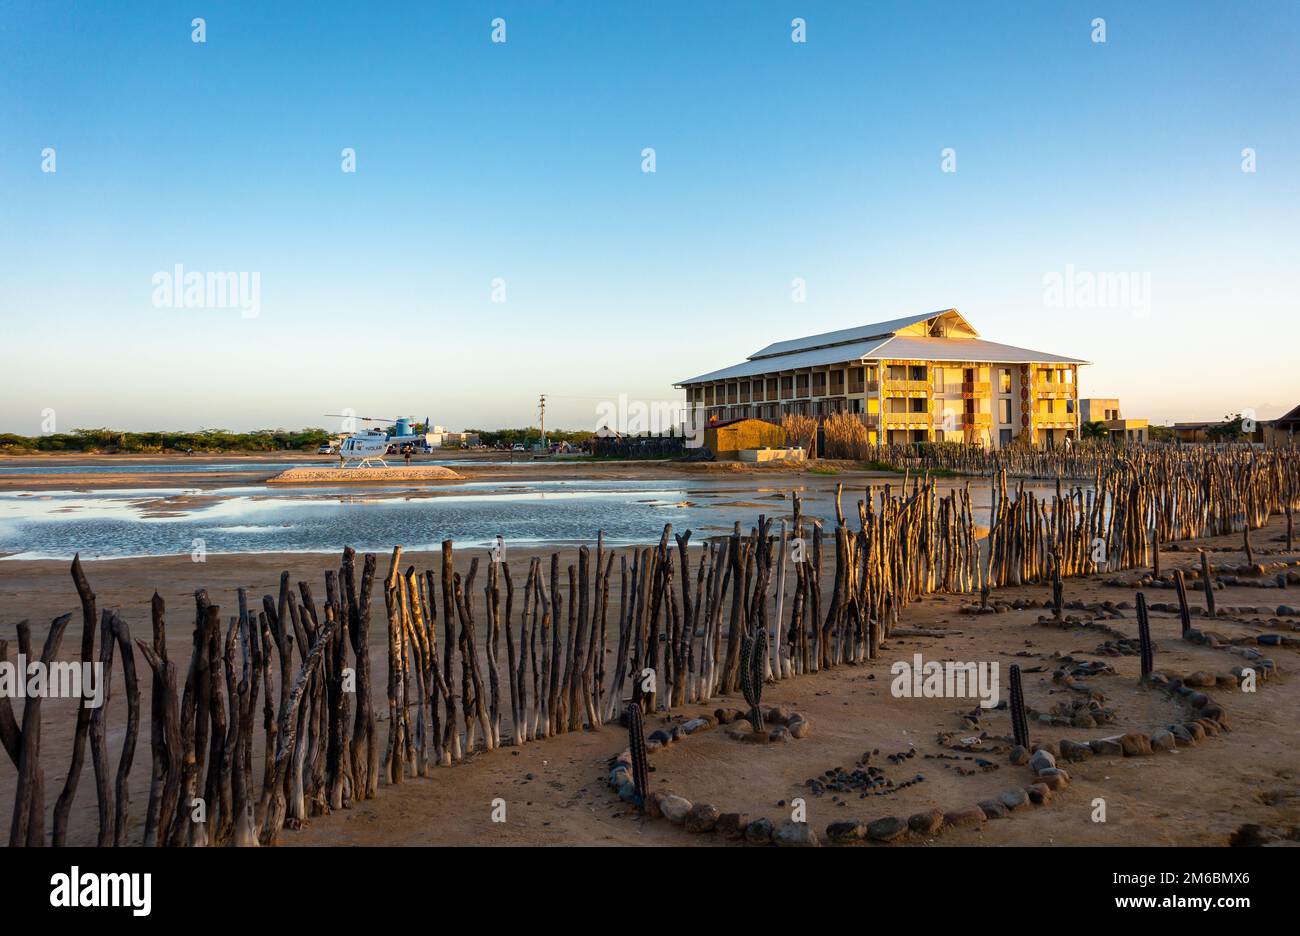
[1144,636]
[1058,588]
[753,652]
[1019,720]
[640,761]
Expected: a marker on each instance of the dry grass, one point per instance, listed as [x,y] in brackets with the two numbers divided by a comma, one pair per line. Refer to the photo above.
[846,437]
[800,431]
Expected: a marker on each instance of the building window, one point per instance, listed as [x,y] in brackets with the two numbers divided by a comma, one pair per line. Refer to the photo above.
[1004,436]
[1004,412]
[1004,380]
[938,380]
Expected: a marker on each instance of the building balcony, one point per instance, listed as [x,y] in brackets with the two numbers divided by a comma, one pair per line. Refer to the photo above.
[976,388]
[907,387]
[976,420]
[1054,391]
[917,420]
[1054,421]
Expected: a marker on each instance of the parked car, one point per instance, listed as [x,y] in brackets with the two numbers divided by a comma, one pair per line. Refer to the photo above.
[325,449]
[518,447]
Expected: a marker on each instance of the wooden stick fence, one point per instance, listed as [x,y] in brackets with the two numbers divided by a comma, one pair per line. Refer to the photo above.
[685,629]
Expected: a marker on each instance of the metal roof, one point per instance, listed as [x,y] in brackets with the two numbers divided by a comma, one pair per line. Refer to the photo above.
[888,347]
[817,357]
[967,349]
[849,335]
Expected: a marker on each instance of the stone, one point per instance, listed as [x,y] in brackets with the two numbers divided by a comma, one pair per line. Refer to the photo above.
[1041,760]
[967,816]
[732,824]
[1135,744]
[694,725]
[627,791]
[1196,730]
[1039,794]
[1163,740]
[1182,737]
[844,832]
[778,714]
[799,726]
[1053,778]
[992,809]
[653,803]
[779,734]
[1210,727]
[1013,799]
[739,730]
[618,776]
[702,818]
[726,716]
[926,823]
[1106,747]
[675,808]
[661,736]
[1200,680]
[652,746]
[755,737]
[795,835]
[1075,751]
[759,832]
[1019,755]
[886,829]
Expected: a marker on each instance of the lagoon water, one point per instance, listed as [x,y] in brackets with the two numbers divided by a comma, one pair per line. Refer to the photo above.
[118,523]
[121,523]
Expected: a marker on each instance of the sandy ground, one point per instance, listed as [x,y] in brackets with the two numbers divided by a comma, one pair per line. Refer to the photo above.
[255,469]
[555,790]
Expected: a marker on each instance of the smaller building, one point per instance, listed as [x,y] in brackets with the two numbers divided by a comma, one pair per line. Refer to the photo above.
[727,439]
[1105,410]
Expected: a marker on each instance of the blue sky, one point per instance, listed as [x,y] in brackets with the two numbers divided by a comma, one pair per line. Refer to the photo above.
[522,161]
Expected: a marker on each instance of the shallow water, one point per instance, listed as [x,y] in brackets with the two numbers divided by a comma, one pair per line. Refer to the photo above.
[195,467]
[118,523]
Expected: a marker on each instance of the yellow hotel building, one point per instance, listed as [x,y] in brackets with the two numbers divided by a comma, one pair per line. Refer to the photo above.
[916,379]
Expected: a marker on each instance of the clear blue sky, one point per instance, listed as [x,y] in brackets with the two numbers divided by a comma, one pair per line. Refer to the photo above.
[522,160]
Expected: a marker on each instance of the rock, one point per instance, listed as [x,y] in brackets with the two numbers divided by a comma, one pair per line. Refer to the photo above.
[1200,680]
[1106,747]
[795,834]
[1013,799]
[1182,737]
[1041,760]
[726,716]
[732,824]
[627,791]
[1135,744]
[886,829]
[618,776]
[756,737]
[702,818]
[661,736]
[739,730]
[844,832]
[1083,720]
[1019,755]
[1162,740]
[969,815]
[1039,794]
[780,733]
[926,823]
[778,714]
[992,809]
[675,808]
[759,832]
[1211,727]
[1196,730]
[1053,778]
[694,725]
[653,803]
[799,726]
[1075,751]
[652,746]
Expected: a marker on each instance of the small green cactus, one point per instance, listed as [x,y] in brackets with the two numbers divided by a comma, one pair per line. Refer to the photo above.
[753,655]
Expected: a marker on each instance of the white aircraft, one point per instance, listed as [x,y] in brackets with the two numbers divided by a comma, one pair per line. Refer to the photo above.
[362,448]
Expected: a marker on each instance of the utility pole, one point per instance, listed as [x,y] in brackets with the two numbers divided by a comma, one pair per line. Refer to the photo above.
[541,410]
